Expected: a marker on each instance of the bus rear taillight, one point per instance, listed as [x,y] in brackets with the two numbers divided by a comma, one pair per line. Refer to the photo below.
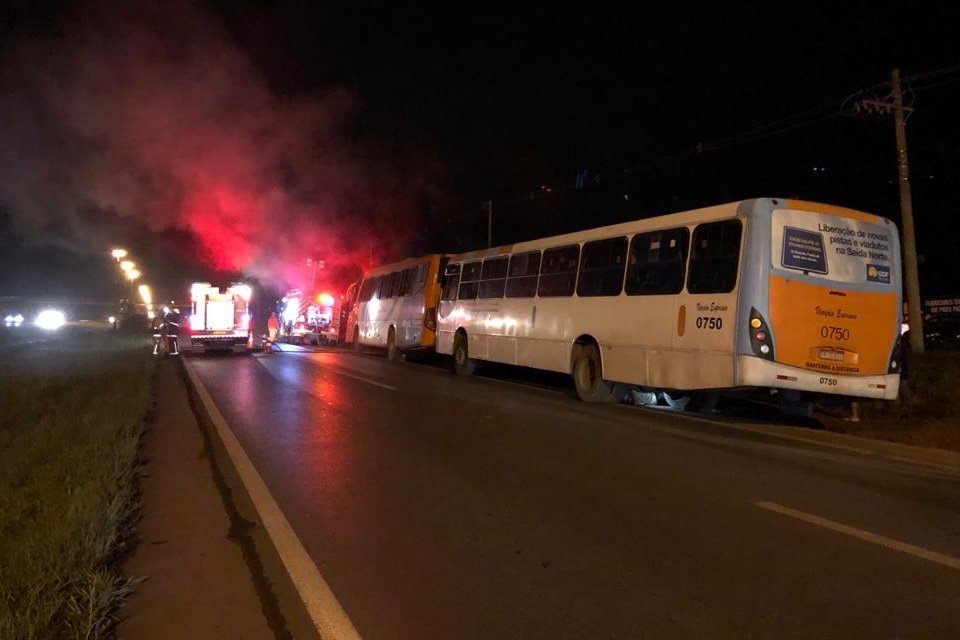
[430,318]
[760,340]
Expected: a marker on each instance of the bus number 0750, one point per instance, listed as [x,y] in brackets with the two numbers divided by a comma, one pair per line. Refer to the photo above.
[835,333]
[707,322]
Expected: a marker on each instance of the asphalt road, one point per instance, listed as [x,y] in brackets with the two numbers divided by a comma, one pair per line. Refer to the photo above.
[442,507]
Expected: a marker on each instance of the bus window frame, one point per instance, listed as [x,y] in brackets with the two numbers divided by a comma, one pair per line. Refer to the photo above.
[632,288]
[526,277]
[711,266]
[590,271]
[475,283]
[451,280]
[555,276]
[492,285]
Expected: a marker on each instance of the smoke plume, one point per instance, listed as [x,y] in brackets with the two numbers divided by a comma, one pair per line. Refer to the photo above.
[149,116]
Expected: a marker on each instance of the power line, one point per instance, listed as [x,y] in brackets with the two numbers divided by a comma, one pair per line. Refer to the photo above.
[936,73]
[758,132]
[779,126]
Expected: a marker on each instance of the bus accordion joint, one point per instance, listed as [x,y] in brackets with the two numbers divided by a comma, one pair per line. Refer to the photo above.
[760,340]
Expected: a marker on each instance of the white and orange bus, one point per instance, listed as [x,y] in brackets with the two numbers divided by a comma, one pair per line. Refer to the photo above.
[396,306]
[762,293]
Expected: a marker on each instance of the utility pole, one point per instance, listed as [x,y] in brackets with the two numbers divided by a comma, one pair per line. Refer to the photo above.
[914,305]
[489,206]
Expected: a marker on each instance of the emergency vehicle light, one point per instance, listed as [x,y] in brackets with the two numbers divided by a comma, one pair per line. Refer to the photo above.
[242,290]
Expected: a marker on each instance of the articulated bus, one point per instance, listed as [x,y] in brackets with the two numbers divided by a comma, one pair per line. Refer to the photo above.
[763,293]
[396,306]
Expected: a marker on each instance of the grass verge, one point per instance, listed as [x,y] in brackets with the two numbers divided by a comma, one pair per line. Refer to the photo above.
[74,409]
[925,416]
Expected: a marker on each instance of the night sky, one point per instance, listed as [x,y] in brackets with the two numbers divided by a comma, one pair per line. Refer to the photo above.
[215,139]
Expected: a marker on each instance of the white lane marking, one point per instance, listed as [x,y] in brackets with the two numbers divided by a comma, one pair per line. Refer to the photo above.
[329,618]
[860,534]
[951,470]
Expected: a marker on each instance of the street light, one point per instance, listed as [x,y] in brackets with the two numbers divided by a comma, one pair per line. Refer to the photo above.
[147,296]
[128,265]
[118,254]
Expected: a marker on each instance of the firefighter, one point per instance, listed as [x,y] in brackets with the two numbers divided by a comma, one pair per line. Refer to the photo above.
[172,323]
[158,345]
[273,325]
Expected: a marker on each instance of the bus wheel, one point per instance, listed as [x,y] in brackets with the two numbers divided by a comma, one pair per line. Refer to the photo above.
[462,364]
[356,340]
[588,375]
[393,353]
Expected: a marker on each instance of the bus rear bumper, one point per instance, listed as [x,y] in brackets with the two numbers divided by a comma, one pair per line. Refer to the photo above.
[757,372]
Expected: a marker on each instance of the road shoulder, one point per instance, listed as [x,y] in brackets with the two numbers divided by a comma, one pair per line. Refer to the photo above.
[198,581]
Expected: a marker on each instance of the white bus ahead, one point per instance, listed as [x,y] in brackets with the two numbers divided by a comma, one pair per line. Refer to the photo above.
[396,306]
[769,293]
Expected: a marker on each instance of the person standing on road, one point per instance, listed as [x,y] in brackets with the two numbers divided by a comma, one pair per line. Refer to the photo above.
[172,321]
[158,345]
[273,325]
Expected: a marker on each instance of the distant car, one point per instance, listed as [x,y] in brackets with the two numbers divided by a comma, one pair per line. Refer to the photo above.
[944,334]
[13,320]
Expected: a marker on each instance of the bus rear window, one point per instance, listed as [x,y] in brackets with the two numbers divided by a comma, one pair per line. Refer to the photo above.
[715,257]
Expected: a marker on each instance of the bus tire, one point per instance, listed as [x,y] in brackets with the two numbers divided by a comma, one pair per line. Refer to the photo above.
[356,340]
[393,353]
[463,365]
[588,375]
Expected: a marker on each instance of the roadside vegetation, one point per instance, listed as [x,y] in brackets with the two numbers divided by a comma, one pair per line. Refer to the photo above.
[73,409]
[928,413]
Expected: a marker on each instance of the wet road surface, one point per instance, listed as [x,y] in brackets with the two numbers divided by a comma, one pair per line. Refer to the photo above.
[444,507]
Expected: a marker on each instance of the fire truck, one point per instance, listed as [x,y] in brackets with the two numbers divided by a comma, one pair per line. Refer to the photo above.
[220,319]
[310,318]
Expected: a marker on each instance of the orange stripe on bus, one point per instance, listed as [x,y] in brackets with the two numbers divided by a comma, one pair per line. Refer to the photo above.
[833,210]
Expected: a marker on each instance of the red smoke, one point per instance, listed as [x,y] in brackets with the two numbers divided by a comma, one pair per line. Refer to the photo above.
[226,224]
[149,112]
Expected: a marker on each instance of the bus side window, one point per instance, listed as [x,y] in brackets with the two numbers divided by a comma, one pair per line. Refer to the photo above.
[601,267]
[403,283]
[558,271]
[657,261]
[715,257]
[451,282]
[418,278]
[522,276]
[493,278]
[386,284]
[470,280]
[397,284]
